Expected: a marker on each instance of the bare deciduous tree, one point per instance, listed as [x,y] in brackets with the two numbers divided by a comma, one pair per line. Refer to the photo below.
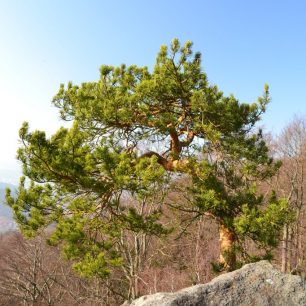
[291,149]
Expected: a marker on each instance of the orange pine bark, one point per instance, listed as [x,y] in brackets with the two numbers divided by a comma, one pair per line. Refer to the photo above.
[227,254]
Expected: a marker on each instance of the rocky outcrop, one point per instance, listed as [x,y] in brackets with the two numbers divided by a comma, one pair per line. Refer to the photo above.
[257,284]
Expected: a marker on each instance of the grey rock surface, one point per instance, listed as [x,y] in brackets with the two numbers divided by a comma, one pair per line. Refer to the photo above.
[258,284]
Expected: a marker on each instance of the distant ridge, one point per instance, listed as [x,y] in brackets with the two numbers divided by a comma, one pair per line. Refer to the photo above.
[6,215]
[7,224]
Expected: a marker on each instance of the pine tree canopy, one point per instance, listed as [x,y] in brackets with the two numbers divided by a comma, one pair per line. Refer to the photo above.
[131,132]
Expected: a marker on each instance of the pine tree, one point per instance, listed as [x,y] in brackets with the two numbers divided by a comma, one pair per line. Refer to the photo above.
[132,130]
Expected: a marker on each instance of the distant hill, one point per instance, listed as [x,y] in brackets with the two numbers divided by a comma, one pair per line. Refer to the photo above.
[6,214]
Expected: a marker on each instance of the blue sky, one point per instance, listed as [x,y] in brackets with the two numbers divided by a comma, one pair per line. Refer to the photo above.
[244,45]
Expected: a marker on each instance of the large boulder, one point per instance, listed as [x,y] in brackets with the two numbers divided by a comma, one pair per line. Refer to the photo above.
[258,284]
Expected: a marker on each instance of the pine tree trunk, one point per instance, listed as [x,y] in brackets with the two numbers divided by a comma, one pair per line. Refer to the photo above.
[227,253]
